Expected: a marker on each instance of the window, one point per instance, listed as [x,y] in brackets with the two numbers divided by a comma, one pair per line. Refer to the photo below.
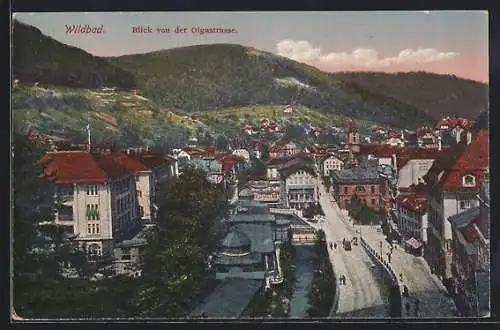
[92,228]
[345,190]
[360,189]
[94,252]
[137,178]
[92,212]
[373,189]
[139,193]
[465,204]
[141,211]
[468,180]
[92,190]
[374,201]
[126,254]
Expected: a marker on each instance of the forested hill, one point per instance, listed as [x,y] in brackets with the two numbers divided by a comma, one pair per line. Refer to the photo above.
[434,94]
[39,58]
[207,77]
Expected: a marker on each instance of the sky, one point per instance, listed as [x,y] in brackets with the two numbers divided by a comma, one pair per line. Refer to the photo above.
[445,42]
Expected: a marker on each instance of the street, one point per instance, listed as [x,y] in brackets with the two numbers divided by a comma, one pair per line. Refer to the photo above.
[421,283]
[361,296]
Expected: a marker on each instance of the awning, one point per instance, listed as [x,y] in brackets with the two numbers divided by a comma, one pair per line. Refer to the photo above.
[414,243]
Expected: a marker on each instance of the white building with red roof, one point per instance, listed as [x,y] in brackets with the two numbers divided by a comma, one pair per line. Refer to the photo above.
[97,198]
[453,182]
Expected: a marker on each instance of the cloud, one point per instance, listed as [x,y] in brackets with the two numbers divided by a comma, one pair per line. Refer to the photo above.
[303,51]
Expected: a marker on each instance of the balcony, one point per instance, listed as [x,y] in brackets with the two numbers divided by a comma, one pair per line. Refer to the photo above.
[64,198]
[65,216]
[65,213]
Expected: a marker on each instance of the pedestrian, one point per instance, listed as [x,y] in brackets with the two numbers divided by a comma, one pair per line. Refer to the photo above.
[406,293]
[335,245]
[331,246]
[408,308]
[417,306]
[401,277]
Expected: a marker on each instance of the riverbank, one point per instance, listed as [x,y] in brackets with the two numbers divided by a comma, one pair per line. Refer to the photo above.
[323,288]
[275,302]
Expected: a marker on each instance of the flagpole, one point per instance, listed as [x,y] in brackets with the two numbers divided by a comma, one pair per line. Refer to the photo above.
[88,132]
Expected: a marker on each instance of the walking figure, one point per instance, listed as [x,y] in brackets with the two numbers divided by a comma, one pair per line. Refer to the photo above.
[343,241]
[406,294]
[335,245]
[408,308]
[401,277]
[331,245]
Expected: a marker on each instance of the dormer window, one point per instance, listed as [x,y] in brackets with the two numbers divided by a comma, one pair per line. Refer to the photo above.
[469,181]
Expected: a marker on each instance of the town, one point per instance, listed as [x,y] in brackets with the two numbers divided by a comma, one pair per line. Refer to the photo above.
[386,224]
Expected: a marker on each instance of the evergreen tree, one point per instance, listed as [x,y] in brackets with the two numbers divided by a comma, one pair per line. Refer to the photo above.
[175,272]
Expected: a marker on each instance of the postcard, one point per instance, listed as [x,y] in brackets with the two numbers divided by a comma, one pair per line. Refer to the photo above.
[250,165]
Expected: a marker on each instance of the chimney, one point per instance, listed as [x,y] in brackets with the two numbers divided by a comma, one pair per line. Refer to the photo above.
[440,145]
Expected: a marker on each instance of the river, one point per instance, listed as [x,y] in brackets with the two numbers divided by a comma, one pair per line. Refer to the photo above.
[303,261]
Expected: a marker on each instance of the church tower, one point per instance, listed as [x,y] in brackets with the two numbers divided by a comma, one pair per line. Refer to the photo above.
[353,137]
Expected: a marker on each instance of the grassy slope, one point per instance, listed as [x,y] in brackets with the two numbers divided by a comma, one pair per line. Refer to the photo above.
[114,115]
[206,77]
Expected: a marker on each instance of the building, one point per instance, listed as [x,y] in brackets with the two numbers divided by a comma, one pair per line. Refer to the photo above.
[96,195]
[330,163]
[156,169]
[364,182]
[265,192]
[453,182]
[412,164]
[250,248]
[412,220]
[298,184]
[470,261]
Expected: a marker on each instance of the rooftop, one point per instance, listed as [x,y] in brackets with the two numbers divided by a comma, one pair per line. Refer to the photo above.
[236,239]
[356,174]
[465,218]
[416,202]
[228,300]
[82,167]
[261,235]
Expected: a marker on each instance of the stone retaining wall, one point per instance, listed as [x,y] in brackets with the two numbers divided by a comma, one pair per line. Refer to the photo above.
[388,271]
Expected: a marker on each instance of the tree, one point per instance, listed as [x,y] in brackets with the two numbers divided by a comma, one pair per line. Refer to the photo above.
[175,260]
[221,142]
[264,152]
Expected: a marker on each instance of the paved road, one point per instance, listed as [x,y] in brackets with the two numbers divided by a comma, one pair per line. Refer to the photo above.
[421,283]
[361,296]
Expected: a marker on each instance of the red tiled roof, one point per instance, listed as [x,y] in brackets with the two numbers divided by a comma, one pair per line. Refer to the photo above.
[150,159]
[469,233]
[413,201]
[473,160]
[82,167]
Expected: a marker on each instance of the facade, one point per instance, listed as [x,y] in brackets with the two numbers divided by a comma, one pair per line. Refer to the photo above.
[413,171]
[412,219]
[96,197]
[453,182]
[471,256]
[156,170]
[249,248]
[265,192]
[364,182]
[298,185]
[330,163]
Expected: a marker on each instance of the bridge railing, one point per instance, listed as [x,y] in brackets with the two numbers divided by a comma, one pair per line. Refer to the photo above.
[385,266]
